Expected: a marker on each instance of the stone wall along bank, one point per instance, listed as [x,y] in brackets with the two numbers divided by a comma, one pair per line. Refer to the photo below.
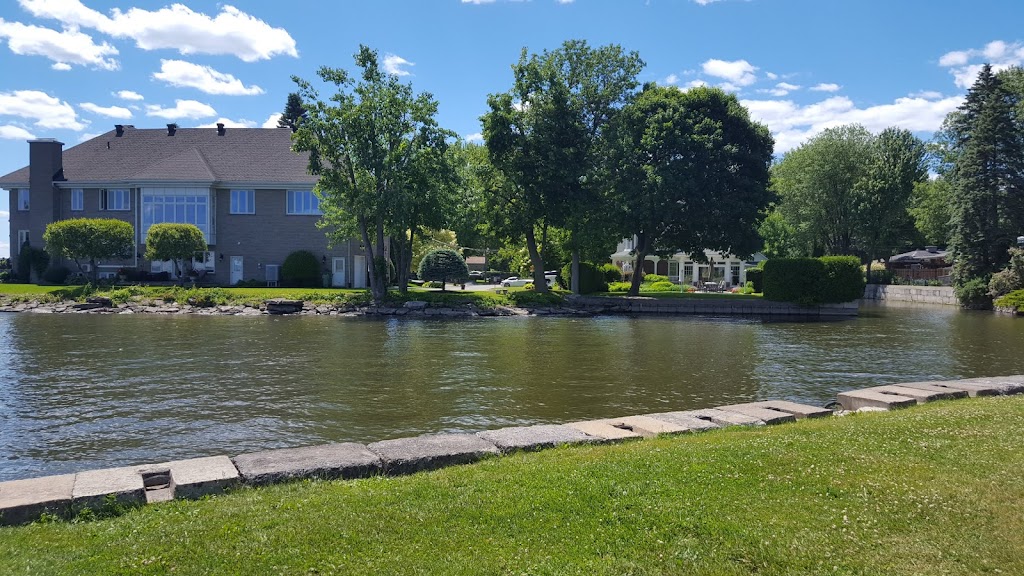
[918,294]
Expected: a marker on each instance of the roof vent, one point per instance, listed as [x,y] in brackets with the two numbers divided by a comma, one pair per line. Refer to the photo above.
[119,130]
[171,128]
[220,128]
[932,249]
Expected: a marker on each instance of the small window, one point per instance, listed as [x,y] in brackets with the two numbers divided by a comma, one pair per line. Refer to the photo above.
[23,199]
[687,272]
[22,239]
[77,199]
[303,202]
[243,201]
[204,261]
[116,199]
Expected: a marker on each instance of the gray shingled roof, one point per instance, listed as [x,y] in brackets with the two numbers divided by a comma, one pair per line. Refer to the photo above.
[241,155]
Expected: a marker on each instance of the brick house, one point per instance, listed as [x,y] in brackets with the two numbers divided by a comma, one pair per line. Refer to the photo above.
[243,187]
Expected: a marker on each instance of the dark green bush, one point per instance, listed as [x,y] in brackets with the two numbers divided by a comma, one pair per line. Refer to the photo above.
[443,266]
[56,275]
[301,269]
[812,281]
[592,278]
[755,276]
[974,295]
[1013,300]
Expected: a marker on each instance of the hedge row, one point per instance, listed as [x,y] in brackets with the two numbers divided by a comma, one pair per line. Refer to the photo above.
[593,278]
[812,281]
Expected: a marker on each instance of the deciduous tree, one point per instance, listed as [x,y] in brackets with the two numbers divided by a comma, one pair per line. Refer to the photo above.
[90,240]
[443,266]
[174,242]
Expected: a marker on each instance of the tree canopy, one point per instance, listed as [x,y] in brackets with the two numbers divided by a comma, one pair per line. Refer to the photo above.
[174,242]
[382,160]
[443,266]
[90,239]
[690,172]
[293,112]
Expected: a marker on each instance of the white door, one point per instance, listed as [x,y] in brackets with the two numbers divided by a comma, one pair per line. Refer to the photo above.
[236,270]
[359,271]
[338,278]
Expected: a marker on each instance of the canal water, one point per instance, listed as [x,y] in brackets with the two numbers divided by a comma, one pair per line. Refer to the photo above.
[84,391]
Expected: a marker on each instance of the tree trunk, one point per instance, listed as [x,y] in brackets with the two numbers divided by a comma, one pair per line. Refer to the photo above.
[638,266]
[574,272]
[368,247]
[94,274]
[539,285]
[867,272]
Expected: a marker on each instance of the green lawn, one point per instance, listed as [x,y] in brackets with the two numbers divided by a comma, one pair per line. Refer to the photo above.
[929,490]
[28,289]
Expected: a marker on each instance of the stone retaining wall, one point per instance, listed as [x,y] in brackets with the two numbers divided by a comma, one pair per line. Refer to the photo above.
[919,294]
[64,495]
[725,306]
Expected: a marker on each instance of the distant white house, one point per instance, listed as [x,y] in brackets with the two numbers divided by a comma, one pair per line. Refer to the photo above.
[681,267]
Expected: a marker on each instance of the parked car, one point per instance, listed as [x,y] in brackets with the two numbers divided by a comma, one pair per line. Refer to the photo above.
[515,282]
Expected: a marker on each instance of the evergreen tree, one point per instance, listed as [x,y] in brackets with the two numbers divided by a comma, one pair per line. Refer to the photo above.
[293,112]
[987,178]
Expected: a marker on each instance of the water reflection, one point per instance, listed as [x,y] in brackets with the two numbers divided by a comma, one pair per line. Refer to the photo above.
[80,391]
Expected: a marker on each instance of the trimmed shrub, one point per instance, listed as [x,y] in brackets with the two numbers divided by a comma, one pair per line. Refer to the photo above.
[755,277]
[1010,278]
[612,273]
[592,278]
[654,278]
[974,295]
[812,281]
[659,287]
[443,266]
[301,269]
[175,242]
[618,286]
[1014,300]
[843,281]
[56,275]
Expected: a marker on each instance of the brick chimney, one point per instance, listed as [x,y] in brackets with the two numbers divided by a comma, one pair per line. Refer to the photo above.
[45,165]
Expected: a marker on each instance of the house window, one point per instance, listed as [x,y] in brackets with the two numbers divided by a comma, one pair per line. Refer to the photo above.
[687,272]
[243,201]
[176,205]
[119,199]
[735,274]
[23,197]
[22,239]
[303,202]
[673,270]
[204,261]
[77,199]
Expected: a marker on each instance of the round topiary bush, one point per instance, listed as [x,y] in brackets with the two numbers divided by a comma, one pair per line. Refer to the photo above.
[443,266]
[301,269]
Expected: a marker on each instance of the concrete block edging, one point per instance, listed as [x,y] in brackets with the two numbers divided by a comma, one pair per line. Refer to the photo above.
[26,500]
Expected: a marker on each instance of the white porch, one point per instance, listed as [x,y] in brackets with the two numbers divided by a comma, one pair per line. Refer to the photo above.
[681,268]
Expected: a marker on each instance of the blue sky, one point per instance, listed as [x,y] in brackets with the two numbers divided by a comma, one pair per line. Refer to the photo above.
[74,68]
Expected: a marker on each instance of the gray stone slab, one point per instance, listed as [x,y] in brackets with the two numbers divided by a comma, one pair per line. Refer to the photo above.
[346,460]
[647,426]
[605,431]
[723,418]
[686,420]
[767,415]
[534,437]
[428,452]
[799,411]
[997,385]
[920,394]
[197,477]
[857,399]
[23,501]
[958,391]
[94,487]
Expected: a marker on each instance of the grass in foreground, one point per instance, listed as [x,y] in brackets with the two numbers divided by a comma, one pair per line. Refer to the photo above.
[929,490]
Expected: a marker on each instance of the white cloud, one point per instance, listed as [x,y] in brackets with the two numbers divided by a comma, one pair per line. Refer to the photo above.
[693,84]
[781,89]
[771,75]
[823,87]
[63,48]
[565,1]
[242,123]
[203,78]
[128,95]
[792,124]
[737,72]
[176,27]
[4,214]
[671,79]
[927,95]
[706,2]
[45,110]
[5,249]
[393,65]
[61,66]
[476,138]
[787,86]
[9,132]
[998,53]
[189,109]
[478,2]
[110,111]
[88,136]
[271,121]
